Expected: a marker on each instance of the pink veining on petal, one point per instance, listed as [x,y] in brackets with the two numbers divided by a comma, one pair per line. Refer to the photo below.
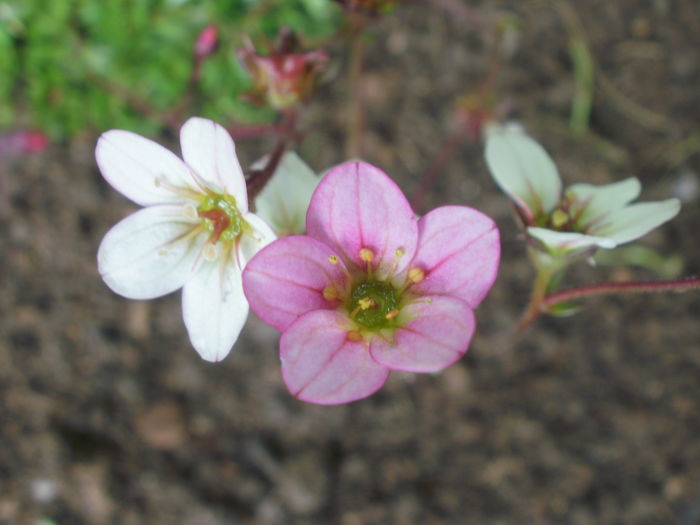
[358,206]
[437,334]
[459,250]
[286,279]
[321,365]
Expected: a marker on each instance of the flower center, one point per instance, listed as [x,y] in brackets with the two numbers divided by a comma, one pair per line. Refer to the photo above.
[220,217]
[373,304]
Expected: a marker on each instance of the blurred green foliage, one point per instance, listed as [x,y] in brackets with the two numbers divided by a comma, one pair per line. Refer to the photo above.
[69,65]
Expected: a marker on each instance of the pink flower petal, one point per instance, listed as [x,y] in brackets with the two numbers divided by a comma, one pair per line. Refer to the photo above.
[357,206]
[320,364]
[209,150]
[459,251]
[142,170]
[286,280]
[436,335]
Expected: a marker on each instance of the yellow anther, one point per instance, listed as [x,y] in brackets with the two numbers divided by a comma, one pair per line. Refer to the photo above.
[190,211]
[366,255]
[416,275]
[330,293]
[392,314]
[354,336]
[333,259]
[559,218]
[210,252]
[399,252]
[366,303]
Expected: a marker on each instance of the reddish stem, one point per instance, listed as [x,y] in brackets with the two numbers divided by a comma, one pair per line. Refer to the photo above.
[436,168]
[461,11]
[680,285]
[245,131]
[257,179]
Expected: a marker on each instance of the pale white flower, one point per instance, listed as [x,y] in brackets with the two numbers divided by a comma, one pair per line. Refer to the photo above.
[194,232]
[586,217]
[284,200]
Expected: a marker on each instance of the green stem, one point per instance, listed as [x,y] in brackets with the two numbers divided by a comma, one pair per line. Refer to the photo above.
[534,307]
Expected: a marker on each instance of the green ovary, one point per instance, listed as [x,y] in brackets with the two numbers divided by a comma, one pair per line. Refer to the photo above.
[382,300]
[221,217]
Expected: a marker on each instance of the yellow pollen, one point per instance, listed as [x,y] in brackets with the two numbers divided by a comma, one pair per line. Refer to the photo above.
[354,336]
[416,275]
[330,293]
[392,314]
[190,211]
[366,303]
[366,255]
[210,252]
[333,259]
[399,252]
[559,218]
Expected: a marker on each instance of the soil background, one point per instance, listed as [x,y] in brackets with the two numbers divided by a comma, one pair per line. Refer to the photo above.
[108,416]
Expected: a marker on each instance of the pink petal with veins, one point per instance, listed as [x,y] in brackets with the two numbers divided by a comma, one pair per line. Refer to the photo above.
[321,365]
[459,251]
[286,280]
[435,335]
[358,206]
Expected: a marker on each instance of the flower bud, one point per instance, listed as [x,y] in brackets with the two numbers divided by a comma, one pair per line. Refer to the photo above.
[282,79]
[23,142]
[207,42]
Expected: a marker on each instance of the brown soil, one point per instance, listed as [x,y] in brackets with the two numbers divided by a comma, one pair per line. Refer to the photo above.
[109,417]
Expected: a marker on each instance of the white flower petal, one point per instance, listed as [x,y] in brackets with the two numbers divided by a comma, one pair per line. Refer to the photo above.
[592,203]
[283,202]
[142,170]
[636,220]
[149,253]
[209,150]
[214,307]
[558,241]
[523,169]
[251,242]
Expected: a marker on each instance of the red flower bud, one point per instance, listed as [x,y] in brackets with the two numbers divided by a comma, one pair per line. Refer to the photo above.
[283,79]
[207,42]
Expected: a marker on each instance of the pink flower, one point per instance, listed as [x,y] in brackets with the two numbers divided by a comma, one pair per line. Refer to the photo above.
[371,288]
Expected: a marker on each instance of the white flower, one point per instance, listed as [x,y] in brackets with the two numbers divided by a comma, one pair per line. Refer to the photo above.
[194,232]
[587,217]
[284,200]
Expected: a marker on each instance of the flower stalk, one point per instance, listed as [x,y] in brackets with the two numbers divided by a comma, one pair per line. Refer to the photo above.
[676,285]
